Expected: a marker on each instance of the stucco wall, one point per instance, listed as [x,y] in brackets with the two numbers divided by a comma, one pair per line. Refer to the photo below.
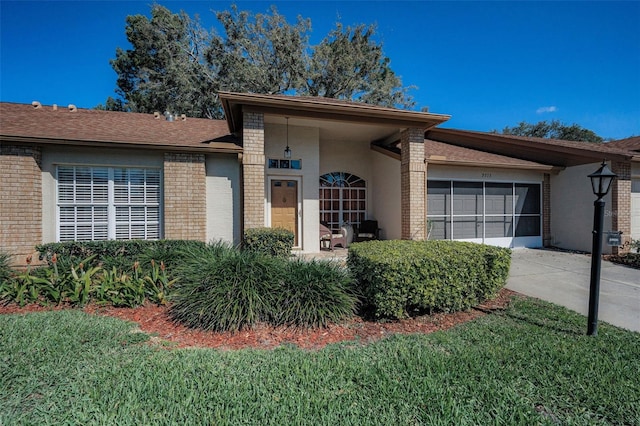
[53,156]
[386,205]
[572,209]
[223,198]
[436,171]
[635,201]
[304,144]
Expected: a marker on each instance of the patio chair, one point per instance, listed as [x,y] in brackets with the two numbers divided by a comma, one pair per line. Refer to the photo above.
[331,239]
[367,230]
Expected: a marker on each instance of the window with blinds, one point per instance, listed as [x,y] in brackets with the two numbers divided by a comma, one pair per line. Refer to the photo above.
[100,203]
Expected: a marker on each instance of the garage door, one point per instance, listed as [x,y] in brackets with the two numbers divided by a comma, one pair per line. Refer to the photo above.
[498,213]
[635,208]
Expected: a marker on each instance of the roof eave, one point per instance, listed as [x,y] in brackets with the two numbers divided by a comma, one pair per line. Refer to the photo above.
[233,104]
[579,153]
[208,147]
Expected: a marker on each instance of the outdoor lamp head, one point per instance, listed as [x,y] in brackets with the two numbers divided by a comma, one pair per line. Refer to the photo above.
[287,150]
[601,180]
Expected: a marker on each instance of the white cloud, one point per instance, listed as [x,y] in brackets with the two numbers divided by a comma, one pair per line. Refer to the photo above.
[542,110]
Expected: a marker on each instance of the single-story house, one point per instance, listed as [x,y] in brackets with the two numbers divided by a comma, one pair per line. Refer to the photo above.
[294,162]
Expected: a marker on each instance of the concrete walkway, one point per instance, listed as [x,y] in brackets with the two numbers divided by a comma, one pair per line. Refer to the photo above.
[563,279]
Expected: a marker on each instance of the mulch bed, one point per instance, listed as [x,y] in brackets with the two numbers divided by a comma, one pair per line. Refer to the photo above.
[154,320]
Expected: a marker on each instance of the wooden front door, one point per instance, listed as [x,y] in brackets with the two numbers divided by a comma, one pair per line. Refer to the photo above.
[284,206]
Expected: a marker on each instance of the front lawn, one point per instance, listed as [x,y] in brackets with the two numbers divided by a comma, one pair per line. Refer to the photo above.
[531,364]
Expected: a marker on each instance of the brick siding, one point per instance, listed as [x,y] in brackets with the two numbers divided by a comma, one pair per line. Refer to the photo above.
[621,204]
[20,200]
[413,170]
[253,163]
[185,195]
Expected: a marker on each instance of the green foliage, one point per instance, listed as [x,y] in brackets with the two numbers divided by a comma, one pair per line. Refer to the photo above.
[226,289]
[269,241]
[176,65]
[165,70]
[119,253]
[315,293]
[5,267]
[529,365]
[350,64]
[106,272]
[400,278]
[260,53]
[635,245]
[222,288]
[553,130]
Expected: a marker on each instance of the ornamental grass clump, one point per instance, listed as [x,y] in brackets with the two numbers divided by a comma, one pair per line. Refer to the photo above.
[315,293]
[222,288]
[226,289]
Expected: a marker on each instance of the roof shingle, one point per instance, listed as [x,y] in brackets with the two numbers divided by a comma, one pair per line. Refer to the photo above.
[46,125]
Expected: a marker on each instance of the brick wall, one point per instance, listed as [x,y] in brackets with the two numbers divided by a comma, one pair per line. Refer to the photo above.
[546,210]
[413,170]
[20,200]
[253,163]
[621,204]
[185,197]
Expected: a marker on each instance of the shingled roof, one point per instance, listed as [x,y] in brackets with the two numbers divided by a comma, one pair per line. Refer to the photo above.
[630,144]
[46,125]
[545,151]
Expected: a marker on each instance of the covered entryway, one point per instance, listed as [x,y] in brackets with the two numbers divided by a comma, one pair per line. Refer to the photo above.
[284,206]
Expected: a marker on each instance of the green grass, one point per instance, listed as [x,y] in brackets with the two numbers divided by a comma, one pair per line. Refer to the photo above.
[530,365]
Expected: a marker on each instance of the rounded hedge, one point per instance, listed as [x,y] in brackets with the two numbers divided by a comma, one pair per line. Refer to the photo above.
[399,278]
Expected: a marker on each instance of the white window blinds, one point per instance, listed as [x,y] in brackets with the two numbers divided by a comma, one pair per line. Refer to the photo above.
[99,203]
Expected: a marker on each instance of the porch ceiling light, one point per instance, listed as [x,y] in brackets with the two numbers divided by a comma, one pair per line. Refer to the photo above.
[287,150]
[601,180]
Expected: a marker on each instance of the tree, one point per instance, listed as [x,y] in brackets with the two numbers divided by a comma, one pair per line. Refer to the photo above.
[261,53]
[176,65]
[553,130]
[166,68]
[349,64]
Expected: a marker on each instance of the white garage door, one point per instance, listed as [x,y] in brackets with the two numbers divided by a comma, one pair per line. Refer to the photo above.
[635,209]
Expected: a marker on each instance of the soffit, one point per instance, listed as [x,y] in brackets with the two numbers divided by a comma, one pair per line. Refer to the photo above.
[544,151]
[326,113]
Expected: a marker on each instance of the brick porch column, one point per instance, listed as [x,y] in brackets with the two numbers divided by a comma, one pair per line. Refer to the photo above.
[185,197]
[621,204]
[413,174]
[546,210]
[20,200]
[253,161]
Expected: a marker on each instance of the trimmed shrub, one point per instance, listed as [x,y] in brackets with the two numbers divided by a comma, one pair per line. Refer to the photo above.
[401,278]
[276,242]
[121,273]
[121,254]
[225,289]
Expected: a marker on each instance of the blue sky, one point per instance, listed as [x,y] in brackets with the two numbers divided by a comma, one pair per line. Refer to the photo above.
[488,64]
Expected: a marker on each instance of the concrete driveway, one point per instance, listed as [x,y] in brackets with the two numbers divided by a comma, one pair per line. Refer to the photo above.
[563,279]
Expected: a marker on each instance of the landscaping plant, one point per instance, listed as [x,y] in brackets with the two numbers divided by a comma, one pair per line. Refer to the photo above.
[269,241]
[222,288]
[401,278]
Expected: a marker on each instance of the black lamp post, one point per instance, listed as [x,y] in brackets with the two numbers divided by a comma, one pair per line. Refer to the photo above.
[600,183]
